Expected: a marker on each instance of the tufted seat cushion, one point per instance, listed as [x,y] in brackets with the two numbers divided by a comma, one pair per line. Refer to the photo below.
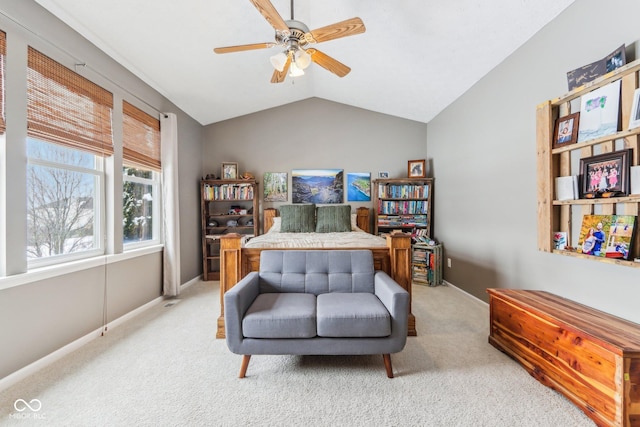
[352,315]
[288,315]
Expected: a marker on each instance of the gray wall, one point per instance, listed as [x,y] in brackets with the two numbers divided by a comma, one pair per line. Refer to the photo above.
[484,156]
[310,134]
[55,311]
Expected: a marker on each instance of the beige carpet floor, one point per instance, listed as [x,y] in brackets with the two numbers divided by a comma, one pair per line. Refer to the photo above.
[165,368]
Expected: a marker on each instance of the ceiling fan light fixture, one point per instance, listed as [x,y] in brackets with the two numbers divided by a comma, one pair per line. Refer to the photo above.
[303,59]
[295,71]
[279,60]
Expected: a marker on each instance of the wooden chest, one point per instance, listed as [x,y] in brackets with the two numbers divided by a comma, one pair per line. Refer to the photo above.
[591,357]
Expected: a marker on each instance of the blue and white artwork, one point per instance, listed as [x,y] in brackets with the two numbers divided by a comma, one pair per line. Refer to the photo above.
[359,187]
[599,111]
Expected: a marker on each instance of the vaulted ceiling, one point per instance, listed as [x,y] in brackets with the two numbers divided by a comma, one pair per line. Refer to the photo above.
[415,58]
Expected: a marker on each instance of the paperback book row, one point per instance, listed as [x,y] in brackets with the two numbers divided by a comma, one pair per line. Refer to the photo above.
[409,207]
[392,191]
[426,265]
[402,221]
[228,192]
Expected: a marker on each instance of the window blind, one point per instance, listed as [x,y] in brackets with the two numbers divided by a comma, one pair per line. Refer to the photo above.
[140,138]
[65,108]
[3,54]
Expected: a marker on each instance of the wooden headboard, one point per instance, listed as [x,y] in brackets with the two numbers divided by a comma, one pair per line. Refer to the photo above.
[362,219]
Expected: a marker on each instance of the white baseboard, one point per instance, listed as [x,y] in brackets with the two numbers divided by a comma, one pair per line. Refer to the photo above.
[39,364]
[466,293]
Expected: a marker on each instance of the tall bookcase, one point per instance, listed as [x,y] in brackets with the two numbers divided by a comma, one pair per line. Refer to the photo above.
[228,206]
[566,215]
[402,204]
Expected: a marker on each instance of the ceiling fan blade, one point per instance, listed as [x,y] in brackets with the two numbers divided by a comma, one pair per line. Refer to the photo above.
[240,48]
[279,76]
[328,63]
[271,14]
[346,28]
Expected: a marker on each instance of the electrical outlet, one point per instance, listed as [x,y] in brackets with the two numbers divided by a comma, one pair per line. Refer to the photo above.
[449,262]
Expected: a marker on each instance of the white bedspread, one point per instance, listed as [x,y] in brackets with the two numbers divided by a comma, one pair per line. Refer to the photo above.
[351,239]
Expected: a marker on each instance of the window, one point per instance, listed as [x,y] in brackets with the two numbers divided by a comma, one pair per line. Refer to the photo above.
[64,194]
[141,177]
[69,135]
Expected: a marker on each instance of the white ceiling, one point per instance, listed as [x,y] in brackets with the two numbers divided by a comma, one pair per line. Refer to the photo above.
[415,58]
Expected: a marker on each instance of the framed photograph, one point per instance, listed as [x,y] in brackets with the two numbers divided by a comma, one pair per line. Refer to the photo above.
[634,119]
[383,174]
[566,130]
[229,170]
[275,187]
[416,169]
[317,186]
[359,187]
[608,236]
[605,175]
[599,112]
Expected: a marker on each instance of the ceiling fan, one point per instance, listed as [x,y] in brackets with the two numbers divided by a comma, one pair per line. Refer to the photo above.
[295,37]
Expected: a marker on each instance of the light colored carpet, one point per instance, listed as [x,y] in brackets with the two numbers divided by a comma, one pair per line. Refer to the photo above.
[165,368]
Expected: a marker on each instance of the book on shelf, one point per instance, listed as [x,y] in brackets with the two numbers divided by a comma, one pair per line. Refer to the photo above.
[403,191]
[228,191]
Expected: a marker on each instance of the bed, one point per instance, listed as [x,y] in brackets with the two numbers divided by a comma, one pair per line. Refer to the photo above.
[392,254]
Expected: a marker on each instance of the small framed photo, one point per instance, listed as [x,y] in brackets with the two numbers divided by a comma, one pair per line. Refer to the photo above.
[416,169]
[566,130]
[605,175]
[229,170]
[383,174]
[634,119]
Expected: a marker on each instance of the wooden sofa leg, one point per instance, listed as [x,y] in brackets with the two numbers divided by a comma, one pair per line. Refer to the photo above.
[245,365]
[387,365]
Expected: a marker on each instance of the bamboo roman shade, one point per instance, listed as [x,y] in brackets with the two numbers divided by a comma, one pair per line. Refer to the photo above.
[3,54]
[140,138]
[65,108]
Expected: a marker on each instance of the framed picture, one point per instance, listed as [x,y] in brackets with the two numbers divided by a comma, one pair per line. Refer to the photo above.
[605,175]
[599,112]
[275,187]
[383,174]
[416,169]
[359,187]
[609,236]
[229,170]
[566,130]
[317,186]
[634,119]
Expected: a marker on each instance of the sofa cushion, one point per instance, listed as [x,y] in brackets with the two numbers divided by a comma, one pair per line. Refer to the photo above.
[352,315]
[287,315]
[317,271]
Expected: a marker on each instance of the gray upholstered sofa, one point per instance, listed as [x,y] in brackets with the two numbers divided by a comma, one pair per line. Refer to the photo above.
[316,302]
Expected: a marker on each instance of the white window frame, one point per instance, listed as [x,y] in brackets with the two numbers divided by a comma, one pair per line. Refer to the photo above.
[98,207]
[156,211]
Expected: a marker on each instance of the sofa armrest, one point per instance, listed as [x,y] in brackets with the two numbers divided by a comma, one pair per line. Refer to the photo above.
[236,303]
[396,299]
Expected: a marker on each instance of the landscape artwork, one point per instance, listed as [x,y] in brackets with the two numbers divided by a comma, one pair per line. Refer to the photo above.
[609,236]
[359,187]
[599,112]
[317,186]
[275,187]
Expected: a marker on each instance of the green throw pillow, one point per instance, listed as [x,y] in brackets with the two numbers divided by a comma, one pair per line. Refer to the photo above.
[332,219]
[298,218]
